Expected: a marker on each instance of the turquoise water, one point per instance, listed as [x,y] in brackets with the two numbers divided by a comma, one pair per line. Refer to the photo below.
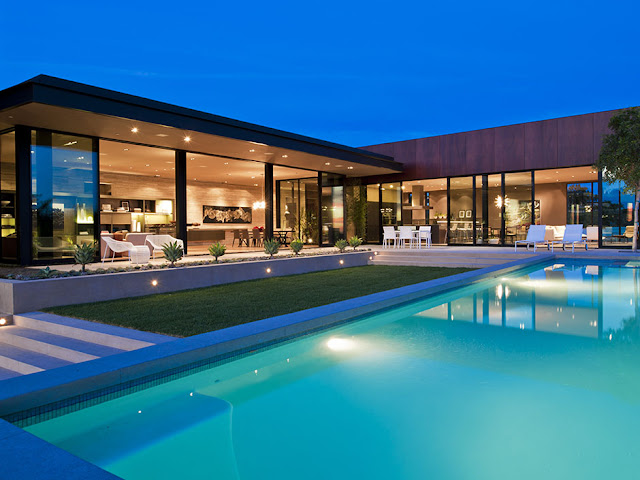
[535,375]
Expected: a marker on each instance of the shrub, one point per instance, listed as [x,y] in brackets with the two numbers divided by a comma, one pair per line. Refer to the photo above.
[85,253]
[172,252]
[46,273]
[341,245]
[355,242]
[296,246]
[217,250]
[271,247]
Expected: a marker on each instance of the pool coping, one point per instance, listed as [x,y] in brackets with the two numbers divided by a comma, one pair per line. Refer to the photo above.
[50,387]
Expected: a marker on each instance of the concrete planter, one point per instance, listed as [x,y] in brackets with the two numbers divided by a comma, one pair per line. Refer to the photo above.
[18,296]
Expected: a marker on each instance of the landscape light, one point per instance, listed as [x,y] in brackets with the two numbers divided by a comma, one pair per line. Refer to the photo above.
[341,262]
[268,270]
[154,282]
[3,321]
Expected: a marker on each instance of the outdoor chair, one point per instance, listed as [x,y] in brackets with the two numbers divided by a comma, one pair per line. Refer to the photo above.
[535,235]
[257,237]
[628,232]
[424,233]
[116,246]
[388,235]
[156,242]
[592,234]
[406,233]
[572,236]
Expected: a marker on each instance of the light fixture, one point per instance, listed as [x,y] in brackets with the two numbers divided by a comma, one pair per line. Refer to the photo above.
[3,321]
[154,283]
[134,130]
[285,156]
[327,163]
[126,149]
[251,151]
[268,270]
[341,262]
[187,138]
[340,344]
[349,168]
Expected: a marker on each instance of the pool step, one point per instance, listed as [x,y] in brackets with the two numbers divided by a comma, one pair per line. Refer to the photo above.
[40,341]
[451,257]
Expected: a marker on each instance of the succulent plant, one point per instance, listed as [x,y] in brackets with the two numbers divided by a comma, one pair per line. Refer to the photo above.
[355,242]
[271,247]
[172,252]
[85,253]
[341,245]
[217,250]
[296,245]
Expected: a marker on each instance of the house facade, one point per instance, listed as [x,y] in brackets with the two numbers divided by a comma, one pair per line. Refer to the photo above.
[79,162]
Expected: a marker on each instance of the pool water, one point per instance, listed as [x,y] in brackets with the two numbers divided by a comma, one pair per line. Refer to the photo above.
[535,375]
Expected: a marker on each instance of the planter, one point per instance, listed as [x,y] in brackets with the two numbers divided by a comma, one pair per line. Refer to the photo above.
[26,296]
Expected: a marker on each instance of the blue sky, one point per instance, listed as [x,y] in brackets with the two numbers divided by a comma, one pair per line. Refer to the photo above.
[352,72]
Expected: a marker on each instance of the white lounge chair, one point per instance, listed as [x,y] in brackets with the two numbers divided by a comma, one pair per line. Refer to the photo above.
[388,235]
[592,234]
[116,246]
[572,236]
[535,235]
[156,242]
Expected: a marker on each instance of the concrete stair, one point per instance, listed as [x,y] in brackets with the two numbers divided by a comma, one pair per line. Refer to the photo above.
[447,257]
[39,341]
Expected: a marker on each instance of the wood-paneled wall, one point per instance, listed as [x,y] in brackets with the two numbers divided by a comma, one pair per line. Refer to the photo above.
[561,142]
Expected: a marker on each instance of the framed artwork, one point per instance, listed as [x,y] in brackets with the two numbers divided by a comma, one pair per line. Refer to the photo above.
[214,214]
[467,214]
[461,214]
[125,205]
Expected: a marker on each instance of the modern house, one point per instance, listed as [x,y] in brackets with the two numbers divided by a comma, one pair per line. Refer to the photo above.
[79,161]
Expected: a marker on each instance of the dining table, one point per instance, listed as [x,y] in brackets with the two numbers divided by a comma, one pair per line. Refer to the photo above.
[282,236]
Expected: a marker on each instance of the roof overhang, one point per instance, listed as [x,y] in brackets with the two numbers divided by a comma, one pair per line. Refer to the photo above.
[62,105]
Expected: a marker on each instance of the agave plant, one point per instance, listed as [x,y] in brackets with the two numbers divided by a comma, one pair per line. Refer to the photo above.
[172,252]
[85,253]
[296,245]
[217,250]
[355,242]
[271,247]
[342,245]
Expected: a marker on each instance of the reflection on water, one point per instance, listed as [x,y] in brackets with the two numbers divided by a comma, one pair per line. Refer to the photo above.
[597,301]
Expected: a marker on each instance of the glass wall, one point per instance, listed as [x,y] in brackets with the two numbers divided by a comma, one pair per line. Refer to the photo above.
[391,206]
[373,214]
[518,215]
[617,215]
[493,204]
[461,210]
[297,208]
[9,245]
[63,176]
[332,208]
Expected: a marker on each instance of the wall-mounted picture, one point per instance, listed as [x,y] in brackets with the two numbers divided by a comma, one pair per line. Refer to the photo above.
[212,214]
[467,214]
[125,205]
[461,214]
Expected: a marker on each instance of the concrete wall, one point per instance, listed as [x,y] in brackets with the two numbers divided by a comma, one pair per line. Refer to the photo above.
[27,296]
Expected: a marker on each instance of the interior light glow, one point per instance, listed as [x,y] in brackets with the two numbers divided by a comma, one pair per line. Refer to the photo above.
[341,344]
[187,138]
[134,130]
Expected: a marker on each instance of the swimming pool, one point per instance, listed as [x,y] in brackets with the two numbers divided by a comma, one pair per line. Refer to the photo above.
[532,375]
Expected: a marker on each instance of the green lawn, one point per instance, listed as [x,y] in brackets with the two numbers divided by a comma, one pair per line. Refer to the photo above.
[190,312]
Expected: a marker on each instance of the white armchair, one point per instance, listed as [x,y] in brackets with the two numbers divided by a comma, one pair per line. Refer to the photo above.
[116,246]
[156,242]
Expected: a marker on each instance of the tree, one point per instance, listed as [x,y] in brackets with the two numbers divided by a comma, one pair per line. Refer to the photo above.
[619,157]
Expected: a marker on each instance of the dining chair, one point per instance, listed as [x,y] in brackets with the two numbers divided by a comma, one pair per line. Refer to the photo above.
[424,232]
[389,235]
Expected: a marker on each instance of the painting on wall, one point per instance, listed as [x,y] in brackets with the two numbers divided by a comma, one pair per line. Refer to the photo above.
[212,214]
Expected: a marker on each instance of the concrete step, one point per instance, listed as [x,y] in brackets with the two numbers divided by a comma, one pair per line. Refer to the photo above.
[58,346]
[85,331]
[4,374]
[25,361]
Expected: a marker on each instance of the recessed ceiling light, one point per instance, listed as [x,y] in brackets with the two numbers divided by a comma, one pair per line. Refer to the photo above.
[285,156]
[255,184]
[187,138]
[192,158]
[226,163]
[126,149]
[349,168]
[225,181]
[252,150]
[134,130]
[253,177]
[327,163]
[161,135]
[228,174]
[147,165]
[339,166]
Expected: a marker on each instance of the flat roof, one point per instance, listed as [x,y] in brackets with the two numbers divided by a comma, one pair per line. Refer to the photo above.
[63,105]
